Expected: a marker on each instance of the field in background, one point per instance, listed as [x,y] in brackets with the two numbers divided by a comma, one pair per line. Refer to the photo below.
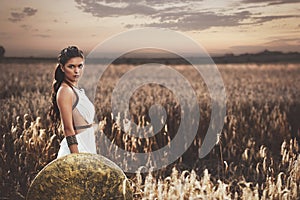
[258,153]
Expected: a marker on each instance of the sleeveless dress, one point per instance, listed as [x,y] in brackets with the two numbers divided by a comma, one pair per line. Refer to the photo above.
[83,116]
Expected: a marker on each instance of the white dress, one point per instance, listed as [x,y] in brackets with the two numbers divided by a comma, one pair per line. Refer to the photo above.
[83,117]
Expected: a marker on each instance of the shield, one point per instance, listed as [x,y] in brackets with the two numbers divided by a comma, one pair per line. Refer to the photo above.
[80,176]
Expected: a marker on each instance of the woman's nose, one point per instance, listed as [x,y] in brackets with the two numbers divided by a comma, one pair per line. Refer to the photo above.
[76,69]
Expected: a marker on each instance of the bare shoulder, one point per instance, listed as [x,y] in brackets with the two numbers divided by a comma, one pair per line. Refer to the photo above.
[64,93]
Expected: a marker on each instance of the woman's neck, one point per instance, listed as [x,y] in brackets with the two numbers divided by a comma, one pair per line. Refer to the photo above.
[71,84]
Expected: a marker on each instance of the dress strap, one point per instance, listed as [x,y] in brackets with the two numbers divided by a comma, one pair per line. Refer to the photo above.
[83,127]
[76,101]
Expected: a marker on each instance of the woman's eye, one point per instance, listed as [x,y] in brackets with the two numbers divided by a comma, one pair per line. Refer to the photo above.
[73,66]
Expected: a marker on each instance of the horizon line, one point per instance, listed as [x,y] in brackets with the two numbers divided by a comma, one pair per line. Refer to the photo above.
[144,56]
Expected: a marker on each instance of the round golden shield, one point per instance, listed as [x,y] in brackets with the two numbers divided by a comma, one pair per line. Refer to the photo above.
[80,176]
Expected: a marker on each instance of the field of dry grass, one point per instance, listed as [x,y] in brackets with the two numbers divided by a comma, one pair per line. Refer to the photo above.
[257,156]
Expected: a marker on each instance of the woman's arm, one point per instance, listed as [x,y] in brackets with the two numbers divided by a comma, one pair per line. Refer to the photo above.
[65,102]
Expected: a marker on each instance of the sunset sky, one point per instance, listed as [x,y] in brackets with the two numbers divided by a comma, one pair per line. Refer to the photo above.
[43,28]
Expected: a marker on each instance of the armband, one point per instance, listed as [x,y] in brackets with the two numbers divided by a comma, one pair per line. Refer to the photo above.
[71,139]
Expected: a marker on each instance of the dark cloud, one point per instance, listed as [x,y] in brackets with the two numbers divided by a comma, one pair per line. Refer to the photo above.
[42,35]
[112,8]
[175,17]
[272,2]
[174,2]
[273,17]
[187,21]
[26,27]
[129,26]
[15,17]
[104,9]
[185,16]
[29,11]
[19,16]
[146,2]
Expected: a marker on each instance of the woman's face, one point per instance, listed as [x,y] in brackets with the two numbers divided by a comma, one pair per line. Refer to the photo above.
[73,70]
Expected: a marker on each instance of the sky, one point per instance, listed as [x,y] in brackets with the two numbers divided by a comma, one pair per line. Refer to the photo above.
[43,28]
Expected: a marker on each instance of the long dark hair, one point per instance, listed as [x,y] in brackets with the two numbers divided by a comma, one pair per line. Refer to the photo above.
[65,55]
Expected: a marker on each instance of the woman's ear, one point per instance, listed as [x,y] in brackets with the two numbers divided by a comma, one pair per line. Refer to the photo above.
[62,68]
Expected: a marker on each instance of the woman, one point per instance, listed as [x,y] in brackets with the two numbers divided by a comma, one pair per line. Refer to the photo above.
[70,104]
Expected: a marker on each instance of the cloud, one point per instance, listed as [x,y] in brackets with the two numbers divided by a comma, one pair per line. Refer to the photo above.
[271,2]
[29,11]
[273,17]
[174,16]
[16,17]
[108,9]
[182,15]
[42,35]
[26,27]
[112,8]
[19,16]
[187,21]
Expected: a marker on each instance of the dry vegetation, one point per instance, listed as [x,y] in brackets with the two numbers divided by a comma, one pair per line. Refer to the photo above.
[257,157]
